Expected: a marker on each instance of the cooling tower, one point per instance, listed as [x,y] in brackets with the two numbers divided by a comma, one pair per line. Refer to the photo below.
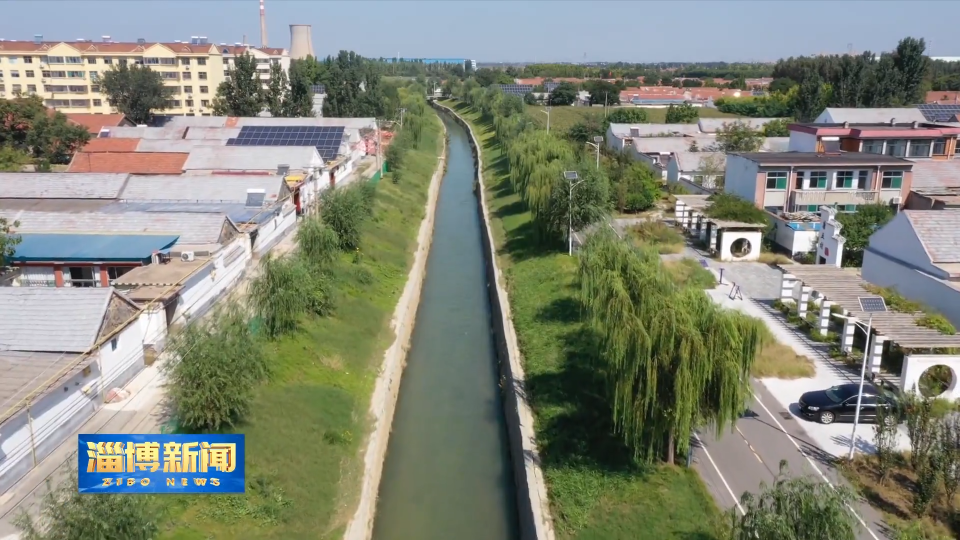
[301,45]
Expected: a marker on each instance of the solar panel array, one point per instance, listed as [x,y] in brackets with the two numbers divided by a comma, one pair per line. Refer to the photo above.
[515,89]
[551,86]
[872,304]
[318,89]
[326,139]
[936,112]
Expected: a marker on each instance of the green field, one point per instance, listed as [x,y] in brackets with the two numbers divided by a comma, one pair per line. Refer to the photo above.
[307,425]
[596,489]
[563,117]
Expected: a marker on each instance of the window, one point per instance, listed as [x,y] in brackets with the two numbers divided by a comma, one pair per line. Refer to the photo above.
[31,88]
[201,61]
[185,61]
[891,180]
[169,76]
[13,60]
[188,89]
[777,180]
[75,74]
[94,76]
[189,103]
[17,88]
[80,103]
[54,74]
[74,60]
[872,147]
[52,59]
[818,180]
[807,208]
[113,344]
[919,148]
[27,59]
[862,178]
[896,147]
[846,208]
[81,276]
[114,272]
[844,180]
[107,60]
[14,74]
[28,73]
[54,88]
[122,61]
[77,89]
[204,102]
[173,103]
[91,59]
[97,103]
[939,147]
[186,76]
[95,88]
[57,103]
[204,90]
[151,61]
[202,75]
[3,88]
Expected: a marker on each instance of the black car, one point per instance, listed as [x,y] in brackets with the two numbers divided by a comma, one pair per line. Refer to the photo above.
[839,404]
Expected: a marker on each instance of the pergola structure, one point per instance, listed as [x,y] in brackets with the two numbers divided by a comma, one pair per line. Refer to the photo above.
[689,209]
[844,288]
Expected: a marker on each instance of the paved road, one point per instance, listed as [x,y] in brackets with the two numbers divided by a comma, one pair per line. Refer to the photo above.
[739,461]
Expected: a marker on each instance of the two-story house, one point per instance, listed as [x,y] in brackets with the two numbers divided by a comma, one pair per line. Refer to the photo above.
[914,140]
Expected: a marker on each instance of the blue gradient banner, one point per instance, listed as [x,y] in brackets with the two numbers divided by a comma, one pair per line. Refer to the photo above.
[161,464]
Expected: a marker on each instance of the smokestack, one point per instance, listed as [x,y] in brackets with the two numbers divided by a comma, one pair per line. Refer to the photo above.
[263,25]
[301,44]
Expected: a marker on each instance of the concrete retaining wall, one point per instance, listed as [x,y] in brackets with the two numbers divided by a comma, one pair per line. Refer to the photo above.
[532,502]
[384,400]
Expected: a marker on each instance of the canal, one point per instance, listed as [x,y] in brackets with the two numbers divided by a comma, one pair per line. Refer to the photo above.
[447,473]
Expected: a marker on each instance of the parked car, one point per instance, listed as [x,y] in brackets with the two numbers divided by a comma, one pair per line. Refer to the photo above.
[839,404]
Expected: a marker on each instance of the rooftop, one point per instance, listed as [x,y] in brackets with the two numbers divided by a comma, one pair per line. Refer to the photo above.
[110,144]
[696,202]
[252,158]
[691,161]
[161,275]
[712,125]
[26,314]
[128,162]
[22,372]
[204,189]
[61,186]
[193,228]
[845,287]
[654,130]
[95,122]
[138,132]
[938,232]
[90,247]
[814,158]
[174,145]
[874,115]
[935,174]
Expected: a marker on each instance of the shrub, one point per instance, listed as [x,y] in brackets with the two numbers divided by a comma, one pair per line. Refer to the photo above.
[656,234]
[344,210]
[319,244]
[937,322]
[286,290]
[733,208]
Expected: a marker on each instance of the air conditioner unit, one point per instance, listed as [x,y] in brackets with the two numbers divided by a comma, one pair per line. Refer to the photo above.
[187,68]
[187,256]
[191,109]
[896,201]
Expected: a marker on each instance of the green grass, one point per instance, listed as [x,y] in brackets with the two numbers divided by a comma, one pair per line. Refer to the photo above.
[655,234]
[562,118]
[596,489]
[690,271]
[307,425]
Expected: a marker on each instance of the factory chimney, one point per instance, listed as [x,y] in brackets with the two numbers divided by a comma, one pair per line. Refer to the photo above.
[263,25]
[301,44]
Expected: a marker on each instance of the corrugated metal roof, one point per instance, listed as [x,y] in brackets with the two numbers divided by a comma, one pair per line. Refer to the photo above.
[196,121]
[355,123]
[252,158]
[90,247]
[166,132]
[939,232]
[61,185]
[873,114]
[176,145]
[712,125]
[237,212]
[31,318]
[654,130]
[215,133]
[193,228]
[690,161]
[213,188]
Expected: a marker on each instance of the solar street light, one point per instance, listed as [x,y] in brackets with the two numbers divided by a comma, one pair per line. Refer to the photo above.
[596,144]
[571,177]
[871,305]
[547,112]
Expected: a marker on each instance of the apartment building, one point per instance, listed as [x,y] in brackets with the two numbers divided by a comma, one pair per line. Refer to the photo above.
[790,182]
[66,73]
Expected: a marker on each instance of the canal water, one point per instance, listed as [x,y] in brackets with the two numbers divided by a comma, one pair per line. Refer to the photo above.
[447,473]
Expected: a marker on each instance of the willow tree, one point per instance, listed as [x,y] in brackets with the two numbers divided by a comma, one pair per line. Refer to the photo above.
[801,508]
[673,359]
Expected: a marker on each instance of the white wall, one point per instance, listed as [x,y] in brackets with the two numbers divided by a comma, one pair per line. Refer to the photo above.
[154,322]
[122,357]
[271,232]
[792,240]
[729,237]
[203,288]
[741,178]
[913,284]
[831,242]
[802,142]
[898,240]
[915,364]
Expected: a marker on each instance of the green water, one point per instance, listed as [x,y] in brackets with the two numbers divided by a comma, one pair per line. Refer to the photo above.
[447,474]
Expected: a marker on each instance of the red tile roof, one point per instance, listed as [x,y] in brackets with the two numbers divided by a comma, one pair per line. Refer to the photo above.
[95,122]
[943,97]
[129,162]
[109,144]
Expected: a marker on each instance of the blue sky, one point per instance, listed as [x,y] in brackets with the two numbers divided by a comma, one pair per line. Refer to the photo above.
[512,30]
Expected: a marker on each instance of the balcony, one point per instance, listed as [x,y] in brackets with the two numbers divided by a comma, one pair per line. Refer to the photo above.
[831,197]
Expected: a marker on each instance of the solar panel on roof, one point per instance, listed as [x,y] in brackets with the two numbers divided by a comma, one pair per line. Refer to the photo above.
[872,304]
[937,112]
[325,139]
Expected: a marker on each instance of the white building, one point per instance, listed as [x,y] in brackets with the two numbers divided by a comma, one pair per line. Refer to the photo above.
[265,57]
[838,115]
[54,376]
[831,242]
[918,253]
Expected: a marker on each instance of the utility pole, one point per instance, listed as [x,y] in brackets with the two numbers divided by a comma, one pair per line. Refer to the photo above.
[547,112]
[379,159]
[402,110]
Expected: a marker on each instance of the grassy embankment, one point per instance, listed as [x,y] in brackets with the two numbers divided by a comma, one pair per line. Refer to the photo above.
[307,425]
[596,490]
[562,118]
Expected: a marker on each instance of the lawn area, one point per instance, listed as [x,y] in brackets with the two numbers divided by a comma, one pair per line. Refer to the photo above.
[308,423]
[596,489]
[658,235]
[563,117]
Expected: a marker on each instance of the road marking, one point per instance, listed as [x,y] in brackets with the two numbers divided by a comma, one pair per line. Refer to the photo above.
[750,446]
[814,465]
[722,479]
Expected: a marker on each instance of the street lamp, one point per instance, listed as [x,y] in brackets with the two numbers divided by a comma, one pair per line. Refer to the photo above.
[547,112]
[596,144]
[871,305]
[571,177]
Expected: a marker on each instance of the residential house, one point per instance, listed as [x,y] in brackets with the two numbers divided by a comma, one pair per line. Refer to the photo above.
[53,381]
[657,151]
[792,186]
[698,172]
[918,253]
[619,136]
[913,140]
[876,115]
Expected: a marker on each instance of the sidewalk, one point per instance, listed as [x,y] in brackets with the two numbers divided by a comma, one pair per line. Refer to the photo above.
[143,412]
